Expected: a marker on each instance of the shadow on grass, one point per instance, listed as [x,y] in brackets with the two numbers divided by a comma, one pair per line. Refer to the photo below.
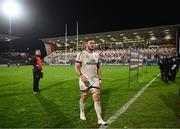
[105,95]
[56,84]
[13,94]
[172,101]
[9,84]
[55,115]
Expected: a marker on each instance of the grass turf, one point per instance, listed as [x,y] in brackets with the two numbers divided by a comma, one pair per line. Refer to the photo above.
[57,106]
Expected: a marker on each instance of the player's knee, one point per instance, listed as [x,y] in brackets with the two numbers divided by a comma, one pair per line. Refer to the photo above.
[97,93]
[96,96]
[84,93]
[83,97]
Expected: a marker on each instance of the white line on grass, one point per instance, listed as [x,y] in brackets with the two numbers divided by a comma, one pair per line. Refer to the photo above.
[126,106]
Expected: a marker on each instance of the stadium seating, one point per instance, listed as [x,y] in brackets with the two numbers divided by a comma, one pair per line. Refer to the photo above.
[112,56]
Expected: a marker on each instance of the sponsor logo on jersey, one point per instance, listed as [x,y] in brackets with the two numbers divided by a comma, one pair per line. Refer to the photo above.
[92,62]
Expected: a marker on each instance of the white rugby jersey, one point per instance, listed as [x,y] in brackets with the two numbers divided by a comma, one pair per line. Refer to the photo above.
[89,63]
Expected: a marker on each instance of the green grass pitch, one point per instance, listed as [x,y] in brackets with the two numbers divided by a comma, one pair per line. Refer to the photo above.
[57,106]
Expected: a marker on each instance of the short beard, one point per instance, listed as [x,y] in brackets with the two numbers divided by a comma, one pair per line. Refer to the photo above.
[90,49]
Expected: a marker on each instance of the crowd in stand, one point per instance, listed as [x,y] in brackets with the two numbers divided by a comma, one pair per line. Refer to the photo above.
[13,57]
[109,56]
[60,58]
[114,56]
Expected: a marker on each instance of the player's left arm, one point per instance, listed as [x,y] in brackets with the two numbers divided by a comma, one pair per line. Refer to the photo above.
[99,72]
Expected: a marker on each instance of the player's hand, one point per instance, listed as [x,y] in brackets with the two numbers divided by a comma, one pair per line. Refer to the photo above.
[100,83]
[83,78]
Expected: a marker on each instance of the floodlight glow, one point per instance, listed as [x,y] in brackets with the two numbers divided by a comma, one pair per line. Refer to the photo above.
[11,8]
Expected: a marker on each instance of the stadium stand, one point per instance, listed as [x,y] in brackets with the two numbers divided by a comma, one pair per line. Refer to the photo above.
[112,56]
[114,46]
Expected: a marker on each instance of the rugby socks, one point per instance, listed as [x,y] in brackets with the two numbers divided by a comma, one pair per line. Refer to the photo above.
[97,106]
[82,106]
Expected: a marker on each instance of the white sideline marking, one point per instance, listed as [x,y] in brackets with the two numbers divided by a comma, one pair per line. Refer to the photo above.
[126,106]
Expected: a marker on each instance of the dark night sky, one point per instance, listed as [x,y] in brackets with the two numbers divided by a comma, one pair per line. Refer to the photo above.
[47,18]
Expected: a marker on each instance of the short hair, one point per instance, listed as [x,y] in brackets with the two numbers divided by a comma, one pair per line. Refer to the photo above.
[89,39]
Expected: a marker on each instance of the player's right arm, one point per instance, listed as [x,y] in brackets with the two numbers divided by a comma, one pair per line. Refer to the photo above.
[78,67]
[79,73]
